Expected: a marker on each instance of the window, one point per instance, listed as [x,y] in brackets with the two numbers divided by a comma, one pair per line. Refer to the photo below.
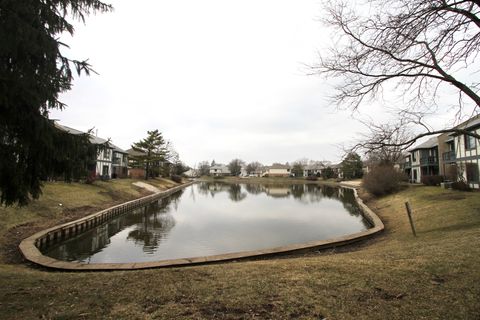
[106,153]
[414,158]
[472,172]
[469,142]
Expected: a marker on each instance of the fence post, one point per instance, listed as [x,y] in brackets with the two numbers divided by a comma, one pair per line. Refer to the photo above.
[409,212]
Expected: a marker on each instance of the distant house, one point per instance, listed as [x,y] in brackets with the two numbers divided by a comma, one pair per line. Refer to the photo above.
[111,161]
[277,170]
[337,170]
[313,170]
[219,170]
[422,160]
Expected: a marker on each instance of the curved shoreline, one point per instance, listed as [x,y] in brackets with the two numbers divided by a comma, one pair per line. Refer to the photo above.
[30,251]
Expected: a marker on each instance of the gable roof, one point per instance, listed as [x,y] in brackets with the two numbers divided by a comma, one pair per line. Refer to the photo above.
[279,166]
[430,143]
[93,139]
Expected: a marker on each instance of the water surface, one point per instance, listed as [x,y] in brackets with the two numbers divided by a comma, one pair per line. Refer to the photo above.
[211,218]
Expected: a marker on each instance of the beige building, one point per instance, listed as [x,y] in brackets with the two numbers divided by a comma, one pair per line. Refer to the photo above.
[277,170]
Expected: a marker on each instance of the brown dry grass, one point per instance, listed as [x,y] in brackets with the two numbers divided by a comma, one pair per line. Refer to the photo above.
[394,276]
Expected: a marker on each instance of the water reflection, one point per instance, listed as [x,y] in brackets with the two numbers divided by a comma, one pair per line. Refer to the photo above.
[215,217]
[148,227]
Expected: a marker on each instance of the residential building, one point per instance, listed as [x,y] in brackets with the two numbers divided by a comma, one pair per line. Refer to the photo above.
[277,170]
[219,170]
[460,154]
[313,170]
[111,161]
[337,170]
[422,160]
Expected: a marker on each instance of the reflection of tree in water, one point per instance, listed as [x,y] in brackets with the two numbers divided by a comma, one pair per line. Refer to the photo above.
[155,222]
[330,192]
[254,188]
[212,188]
[151,224]
[234,190]
[297,191]
[348,200]
[235,193]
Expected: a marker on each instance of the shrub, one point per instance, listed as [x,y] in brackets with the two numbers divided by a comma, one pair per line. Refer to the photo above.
[460,185]
[383,180]
[432,180]
[218,177]
[311,178]
[176,178]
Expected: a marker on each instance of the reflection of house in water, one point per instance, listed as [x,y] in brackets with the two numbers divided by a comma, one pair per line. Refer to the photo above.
[277,191]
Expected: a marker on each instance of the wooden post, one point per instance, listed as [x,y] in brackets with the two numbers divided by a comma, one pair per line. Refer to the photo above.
[409,212]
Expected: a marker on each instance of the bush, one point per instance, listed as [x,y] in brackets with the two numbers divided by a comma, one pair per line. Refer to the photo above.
[176,178]
[383,180]
[460,185]
[218,177]
[432,180]
[311,178]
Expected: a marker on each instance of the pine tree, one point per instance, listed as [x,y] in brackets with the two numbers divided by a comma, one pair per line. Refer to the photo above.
[33,72]
[352,166]
[154,150]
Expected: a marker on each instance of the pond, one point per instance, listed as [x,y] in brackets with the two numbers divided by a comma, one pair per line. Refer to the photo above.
[210,218]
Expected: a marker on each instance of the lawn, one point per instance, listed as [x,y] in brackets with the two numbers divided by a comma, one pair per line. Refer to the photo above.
[393,276]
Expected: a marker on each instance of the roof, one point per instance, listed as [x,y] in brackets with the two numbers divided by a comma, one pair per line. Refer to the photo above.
[219,166]
[314,167]
[279,166]
[93,139]
[430,143]
[470,123]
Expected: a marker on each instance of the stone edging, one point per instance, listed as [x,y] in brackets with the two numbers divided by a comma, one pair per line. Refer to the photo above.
[29,249]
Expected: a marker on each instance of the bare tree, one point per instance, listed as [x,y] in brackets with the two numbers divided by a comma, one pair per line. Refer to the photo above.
[416,47]
[253,166]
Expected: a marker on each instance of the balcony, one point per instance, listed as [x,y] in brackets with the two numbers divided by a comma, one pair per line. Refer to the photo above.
[407,165]
[429,161]
[449,156]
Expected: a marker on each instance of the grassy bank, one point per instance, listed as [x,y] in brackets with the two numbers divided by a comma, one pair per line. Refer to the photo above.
[61,202]
[393,276]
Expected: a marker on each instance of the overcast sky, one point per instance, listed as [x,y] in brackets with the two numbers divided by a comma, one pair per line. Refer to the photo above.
[220,79]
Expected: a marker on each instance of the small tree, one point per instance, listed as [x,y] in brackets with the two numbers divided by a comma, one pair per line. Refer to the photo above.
[235,167]
[297,169]
[204,168]
[382,180]
[327,173]
[352,166]
[153,151]
[253,166]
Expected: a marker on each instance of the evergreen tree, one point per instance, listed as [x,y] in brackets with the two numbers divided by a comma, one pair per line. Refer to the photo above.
[153,151]
[297,169]
[352,166]
[33,72]
[327,173]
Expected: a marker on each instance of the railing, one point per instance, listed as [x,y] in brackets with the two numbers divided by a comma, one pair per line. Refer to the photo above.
[431,160]
[407,165]
[449,156]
